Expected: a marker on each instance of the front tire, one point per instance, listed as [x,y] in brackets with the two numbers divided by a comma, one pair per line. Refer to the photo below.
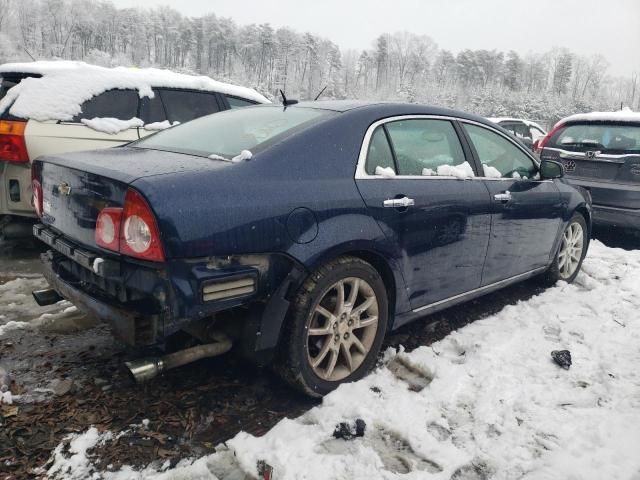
[336,327]
[573,248]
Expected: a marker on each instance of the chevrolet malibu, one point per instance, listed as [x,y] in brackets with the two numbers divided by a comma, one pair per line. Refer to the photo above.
[301,233]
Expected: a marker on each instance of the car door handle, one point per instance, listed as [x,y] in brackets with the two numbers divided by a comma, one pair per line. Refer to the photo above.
[502,197]
[402,202]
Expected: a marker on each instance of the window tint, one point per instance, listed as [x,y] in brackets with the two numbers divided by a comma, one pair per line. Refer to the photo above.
[421,146]
[182,106]
[121,104]
[235,102]
[379,153]
[605,137]
[498,152]
[227,133]
[151,109]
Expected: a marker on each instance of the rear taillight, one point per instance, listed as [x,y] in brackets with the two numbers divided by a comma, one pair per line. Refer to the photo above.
[36,196]
[108,228]
[540,146]
[131,230]
[13,148]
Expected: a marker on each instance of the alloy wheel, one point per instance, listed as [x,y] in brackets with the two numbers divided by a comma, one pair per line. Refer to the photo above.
[342,328]
[571,250]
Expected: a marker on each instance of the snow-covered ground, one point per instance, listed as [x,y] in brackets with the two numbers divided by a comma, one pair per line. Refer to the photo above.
[485,402]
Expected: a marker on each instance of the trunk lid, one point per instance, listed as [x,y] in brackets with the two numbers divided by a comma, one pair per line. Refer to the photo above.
[77,186]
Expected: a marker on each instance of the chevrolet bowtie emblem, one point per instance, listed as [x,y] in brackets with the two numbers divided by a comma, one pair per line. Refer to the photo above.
[64,188]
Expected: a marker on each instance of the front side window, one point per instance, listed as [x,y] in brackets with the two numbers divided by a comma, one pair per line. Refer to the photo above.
[120,104]
[182,105]
[228,133]
[499,156]
[427,147]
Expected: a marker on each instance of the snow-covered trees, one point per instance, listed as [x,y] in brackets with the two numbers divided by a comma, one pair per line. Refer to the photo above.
[402,66]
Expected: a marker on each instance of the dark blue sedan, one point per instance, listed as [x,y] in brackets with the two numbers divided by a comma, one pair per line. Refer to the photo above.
[302,233]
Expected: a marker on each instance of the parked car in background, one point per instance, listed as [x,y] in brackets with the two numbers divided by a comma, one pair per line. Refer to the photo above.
[527,131]
[310,231]
[600,152]
[57,107]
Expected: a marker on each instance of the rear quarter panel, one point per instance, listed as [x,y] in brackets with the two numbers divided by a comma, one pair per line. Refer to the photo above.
[48,138]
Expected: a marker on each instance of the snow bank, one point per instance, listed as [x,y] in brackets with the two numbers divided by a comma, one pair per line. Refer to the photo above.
[495,405]
[112,125]
[65,86]
[624,115]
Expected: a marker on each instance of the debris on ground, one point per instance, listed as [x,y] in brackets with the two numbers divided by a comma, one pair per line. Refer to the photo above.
[265,471]
[5,379]
[348,431]
[562,358]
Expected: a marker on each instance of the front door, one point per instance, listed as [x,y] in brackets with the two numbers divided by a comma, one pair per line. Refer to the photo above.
[437,222]
[527,212]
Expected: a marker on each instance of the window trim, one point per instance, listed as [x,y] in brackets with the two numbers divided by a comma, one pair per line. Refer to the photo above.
[361,173]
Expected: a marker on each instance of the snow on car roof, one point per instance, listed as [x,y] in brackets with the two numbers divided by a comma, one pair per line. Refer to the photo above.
[624,115]
[65,86]
[511,119]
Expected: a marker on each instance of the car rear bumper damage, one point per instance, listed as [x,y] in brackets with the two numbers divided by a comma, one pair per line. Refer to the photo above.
[145,303]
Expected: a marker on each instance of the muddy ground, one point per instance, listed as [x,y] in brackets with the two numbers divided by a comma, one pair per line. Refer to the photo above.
[67,370]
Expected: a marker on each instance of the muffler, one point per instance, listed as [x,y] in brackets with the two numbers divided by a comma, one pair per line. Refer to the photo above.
[145,369]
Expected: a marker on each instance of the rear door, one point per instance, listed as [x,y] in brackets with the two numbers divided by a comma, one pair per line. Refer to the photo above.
[526,212]
[438,224]
[45,138]
[602,156]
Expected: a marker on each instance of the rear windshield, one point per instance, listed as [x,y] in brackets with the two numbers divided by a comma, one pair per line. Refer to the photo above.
[228,133]
[604,137]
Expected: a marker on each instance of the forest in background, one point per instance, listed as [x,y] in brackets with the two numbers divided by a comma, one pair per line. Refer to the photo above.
[543,86]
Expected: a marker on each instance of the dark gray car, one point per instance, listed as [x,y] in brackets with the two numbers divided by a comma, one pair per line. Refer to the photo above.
[601,152]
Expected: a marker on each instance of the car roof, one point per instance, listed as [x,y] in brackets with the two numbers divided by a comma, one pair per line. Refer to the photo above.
[625,115]
[387,109]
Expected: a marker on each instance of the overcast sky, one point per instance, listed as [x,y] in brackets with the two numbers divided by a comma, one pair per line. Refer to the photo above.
[609,27]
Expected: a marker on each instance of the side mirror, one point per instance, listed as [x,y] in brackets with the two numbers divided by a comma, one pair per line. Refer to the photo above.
[550,170]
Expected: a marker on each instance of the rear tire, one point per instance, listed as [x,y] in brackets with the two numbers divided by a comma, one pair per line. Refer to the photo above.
[571,252]
[335,328]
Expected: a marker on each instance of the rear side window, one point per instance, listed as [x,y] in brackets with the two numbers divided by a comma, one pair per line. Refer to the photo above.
[605,137]
[424,146]
[152,110]
[235,102]
[183,105]
[497,154]
[120,104]
[379,153]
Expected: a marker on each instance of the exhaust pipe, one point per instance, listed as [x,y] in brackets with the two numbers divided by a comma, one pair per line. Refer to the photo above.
[145,369]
